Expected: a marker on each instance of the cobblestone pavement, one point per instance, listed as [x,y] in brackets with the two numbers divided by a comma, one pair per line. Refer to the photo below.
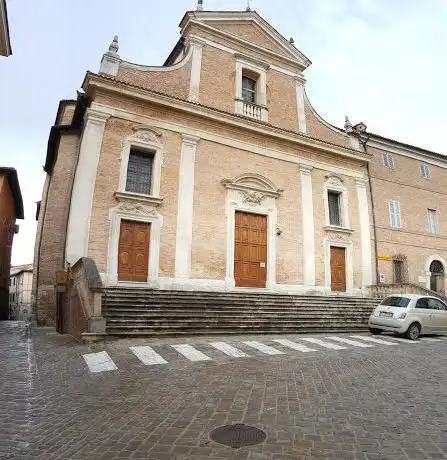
[378,402]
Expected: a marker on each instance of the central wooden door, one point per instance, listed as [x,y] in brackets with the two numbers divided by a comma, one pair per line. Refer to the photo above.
[338,269]
[133,251]
[250,250]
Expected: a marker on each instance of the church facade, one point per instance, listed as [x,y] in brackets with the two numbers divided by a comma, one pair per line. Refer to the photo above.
[214,172]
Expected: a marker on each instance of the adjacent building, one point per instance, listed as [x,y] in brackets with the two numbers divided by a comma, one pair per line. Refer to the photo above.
[20,286]
[214,172]
[5,42]
[11,208]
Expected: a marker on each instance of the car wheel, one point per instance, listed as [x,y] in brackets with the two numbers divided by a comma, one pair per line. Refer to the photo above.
[413,331]
[375,331]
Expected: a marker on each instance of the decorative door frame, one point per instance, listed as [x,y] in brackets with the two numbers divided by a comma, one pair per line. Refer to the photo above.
[136,212]
[254,194]
[349,248]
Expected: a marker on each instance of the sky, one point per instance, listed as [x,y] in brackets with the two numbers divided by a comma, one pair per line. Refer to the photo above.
[382,62]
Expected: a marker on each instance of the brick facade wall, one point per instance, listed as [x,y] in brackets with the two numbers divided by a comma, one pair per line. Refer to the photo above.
[172,82]
[7,221]
[54,227]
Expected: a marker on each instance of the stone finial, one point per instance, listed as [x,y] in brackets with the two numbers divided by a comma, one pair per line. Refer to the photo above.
[291,41]
[348,124]
[113,47]
[248,6]
[110,60]
[199,5]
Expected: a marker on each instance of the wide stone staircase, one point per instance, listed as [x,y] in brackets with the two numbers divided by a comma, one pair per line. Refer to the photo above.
[144,312]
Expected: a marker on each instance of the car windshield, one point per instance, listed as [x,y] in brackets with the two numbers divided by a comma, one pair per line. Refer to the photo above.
[396,302]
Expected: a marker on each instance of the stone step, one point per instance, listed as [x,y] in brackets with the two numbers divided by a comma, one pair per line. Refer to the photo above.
[241,329]
[236,308]
[225,298]
[193,302]
[218,295]
[231,314]
[222,320]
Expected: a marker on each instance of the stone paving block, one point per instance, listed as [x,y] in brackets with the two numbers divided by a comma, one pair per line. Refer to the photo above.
[346,404]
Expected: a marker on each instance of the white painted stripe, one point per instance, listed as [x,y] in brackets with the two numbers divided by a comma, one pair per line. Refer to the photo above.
[228,349]
[431,339]
[294,345]
[372,339]
[99,362]
[354,343]
[188,351]
[400,339]
[147,355]
[268,350]
[322,343]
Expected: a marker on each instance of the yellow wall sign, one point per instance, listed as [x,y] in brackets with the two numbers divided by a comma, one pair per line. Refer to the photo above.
[385,258]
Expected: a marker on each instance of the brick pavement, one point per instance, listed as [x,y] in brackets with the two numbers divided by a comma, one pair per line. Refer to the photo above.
[383,402]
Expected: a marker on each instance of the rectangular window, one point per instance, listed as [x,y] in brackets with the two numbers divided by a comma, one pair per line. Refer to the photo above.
[388,160]
[425,171]
[334,208]
[432,221]
[248,90]
[139,172]
[394,208]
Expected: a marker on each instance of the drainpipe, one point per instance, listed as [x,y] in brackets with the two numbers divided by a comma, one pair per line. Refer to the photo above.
[364,141]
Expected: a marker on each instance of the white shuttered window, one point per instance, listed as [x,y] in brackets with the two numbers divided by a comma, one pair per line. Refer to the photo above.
[432,221]
[394,208]
[388,160]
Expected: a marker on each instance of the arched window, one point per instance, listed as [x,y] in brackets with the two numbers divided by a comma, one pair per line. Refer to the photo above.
[436,267]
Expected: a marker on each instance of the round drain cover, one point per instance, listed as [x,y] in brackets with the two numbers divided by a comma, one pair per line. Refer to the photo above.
[238,435]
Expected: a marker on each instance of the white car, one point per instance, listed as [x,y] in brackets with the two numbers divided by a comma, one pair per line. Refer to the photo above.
[409,314]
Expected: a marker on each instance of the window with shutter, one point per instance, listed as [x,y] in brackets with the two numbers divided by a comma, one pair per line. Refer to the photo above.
[394,209]
[425,171]
[139,171]
[388,160]
[432,221]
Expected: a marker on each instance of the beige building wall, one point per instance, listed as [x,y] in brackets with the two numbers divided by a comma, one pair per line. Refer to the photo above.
[416,194]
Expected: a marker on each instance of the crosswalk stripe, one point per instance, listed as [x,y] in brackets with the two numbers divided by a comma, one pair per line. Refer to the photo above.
[293,345]
[228,349]
[188,351]
[99,362]
[431,339]
[354,343]
[332,346]
[372,339]
[268,350]
[400,339]
[147,355]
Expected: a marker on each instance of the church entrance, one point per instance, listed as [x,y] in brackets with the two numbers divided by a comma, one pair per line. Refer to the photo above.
[133,251]
[250,250]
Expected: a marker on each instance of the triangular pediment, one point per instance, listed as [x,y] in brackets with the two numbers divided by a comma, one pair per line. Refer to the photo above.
[249,28]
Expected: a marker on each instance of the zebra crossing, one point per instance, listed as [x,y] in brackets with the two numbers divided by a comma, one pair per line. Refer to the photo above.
[148,356]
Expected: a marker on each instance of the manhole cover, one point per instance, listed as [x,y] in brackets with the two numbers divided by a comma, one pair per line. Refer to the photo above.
[238,435]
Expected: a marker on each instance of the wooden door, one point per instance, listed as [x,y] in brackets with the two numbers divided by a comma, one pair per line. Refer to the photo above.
[338,269]
[133,251]
[250,251]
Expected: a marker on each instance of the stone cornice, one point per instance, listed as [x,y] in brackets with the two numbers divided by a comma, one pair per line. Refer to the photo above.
[94,82]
